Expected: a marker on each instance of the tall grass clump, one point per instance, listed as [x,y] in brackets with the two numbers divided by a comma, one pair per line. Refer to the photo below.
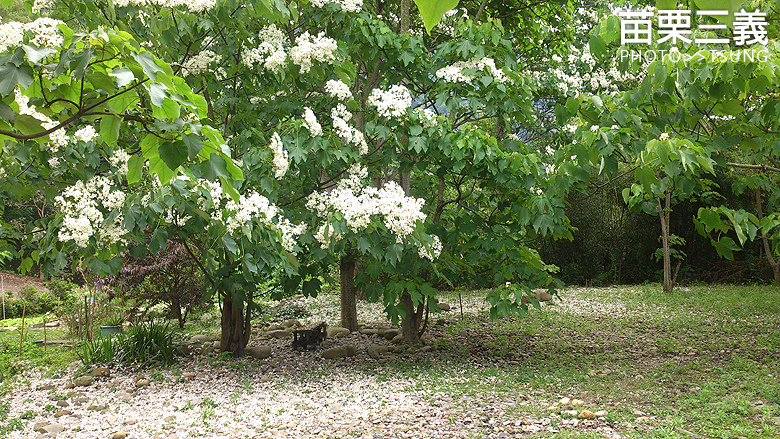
[143,344]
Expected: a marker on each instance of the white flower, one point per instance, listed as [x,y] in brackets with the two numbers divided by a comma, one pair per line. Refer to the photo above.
[200,63]
[338,89]
[594,128]
[663,136]
[348,134]
[308,48]
[119,160]
[454,72]
[346,5]
[280,162]
[392,103]
[310,122]
[83,206]
[86,134]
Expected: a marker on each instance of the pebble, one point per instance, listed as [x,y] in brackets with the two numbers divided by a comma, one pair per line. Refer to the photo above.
[565,401]
[143,382]
[119,435]
[587,414]
[577,402]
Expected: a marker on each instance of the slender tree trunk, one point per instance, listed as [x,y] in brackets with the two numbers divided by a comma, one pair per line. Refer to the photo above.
[176,311]
[410,324]
[236,326]
[774,263]
[348,296]
[664,214]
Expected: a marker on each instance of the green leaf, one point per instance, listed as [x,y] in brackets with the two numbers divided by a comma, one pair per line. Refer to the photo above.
[666,4]
[146,61]
[432,11]
[123,76]
[173,154]
[109,129]
[230,244]
[11,76]
[35,54]
[135,166]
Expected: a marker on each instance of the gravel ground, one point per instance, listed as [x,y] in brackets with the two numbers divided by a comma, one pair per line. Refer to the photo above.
[293,395]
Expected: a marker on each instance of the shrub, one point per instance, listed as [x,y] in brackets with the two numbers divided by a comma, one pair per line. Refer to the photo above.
[169,276]
[143,344]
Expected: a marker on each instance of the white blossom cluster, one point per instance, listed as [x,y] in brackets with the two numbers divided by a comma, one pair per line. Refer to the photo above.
[308,48]
[269,52]
[119,160]
[310,122]
[664,136]
[83,206]
[192,5]
[338,89]
[427,117]
[280,162]
[392,103]
[455,72]
[237,216]
[44,30]
[348,134]
[40,5]
[346,5]
[199,63]
[357,204]
[431,252]
[249,207]
[579,74]
[86,134]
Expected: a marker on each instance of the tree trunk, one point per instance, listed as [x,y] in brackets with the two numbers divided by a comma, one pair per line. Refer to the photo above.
[236,326]
[411,322]
[348,297]
[663,214]
[774,263]
[176,311]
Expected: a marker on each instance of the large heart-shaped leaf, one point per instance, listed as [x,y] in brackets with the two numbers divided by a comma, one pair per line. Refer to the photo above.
[432,11]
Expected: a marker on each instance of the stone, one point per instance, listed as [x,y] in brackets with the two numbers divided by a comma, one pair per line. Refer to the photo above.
[275,327]
[587,414]
[577,402]
[53,428]
[100,372]
[337,331]
[216,345]
[39,426]
[62,413]
[570,413]
[398,339]
[200,338]
[45,387]
[543,296]
[259,352]
[183,350]
[292,323]
[189,375]
[390,333]
[119,435]
[131,421]
[338,352]
[369,331]
[600,413]
[444,306]
[376,350]
[62,403]
[85,380]
[143,382]
[42,436]
[565,401]
[68,386]
[279,333]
